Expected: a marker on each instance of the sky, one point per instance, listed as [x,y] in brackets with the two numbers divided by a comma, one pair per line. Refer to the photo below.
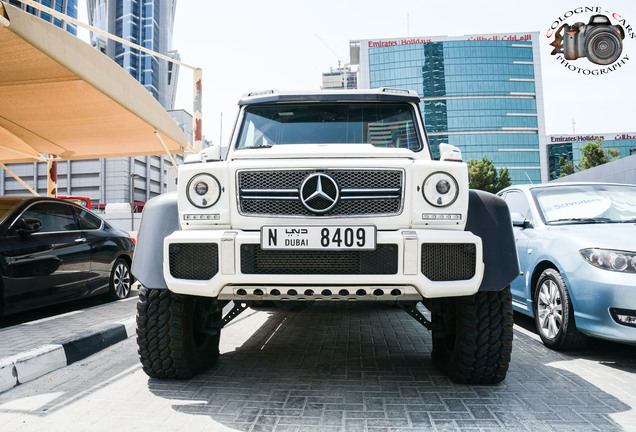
[250,45]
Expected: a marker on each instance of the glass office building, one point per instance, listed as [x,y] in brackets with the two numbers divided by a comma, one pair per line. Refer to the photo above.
[148,23]
[67,7]
[569,147]
[481,93]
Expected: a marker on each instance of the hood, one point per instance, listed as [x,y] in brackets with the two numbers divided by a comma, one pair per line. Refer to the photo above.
[314,151]
[619,236]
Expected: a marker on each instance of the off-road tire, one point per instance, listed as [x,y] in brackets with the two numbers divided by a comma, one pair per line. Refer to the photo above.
[556,301]
[169,345]
[472,343]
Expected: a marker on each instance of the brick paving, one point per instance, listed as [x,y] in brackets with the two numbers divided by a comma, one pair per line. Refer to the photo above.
[27,336]
[333,367]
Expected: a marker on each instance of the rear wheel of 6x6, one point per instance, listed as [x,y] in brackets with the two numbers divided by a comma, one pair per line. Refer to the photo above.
[474,344]
[171,339]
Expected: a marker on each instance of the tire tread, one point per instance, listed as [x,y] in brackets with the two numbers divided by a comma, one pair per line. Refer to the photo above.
[483,340]
[163,341]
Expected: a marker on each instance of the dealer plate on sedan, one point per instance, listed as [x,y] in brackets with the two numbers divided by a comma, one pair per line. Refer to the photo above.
[341,237]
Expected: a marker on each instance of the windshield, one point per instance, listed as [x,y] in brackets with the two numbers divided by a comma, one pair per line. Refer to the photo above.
[587,204]
[383,125]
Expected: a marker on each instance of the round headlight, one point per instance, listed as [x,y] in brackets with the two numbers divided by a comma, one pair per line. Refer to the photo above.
[203,190]
[440,189]
[443,187]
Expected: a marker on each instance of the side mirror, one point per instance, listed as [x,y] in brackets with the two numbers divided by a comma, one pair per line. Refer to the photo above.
[449,152]
[208,154]
[28,226]
[212,153]
[519,220]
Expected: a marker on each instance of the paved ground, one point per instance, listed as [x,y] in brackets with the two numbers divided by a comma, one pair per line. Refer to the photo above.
[30,335]
[332,367]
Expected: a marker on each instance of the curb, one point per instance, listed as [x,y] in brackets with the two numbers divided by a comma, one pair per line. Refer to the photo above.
[27,366]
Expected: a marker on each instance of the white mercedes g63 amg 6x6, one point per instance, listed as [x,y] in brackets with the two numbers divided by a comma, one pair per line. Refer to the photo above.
[326,195]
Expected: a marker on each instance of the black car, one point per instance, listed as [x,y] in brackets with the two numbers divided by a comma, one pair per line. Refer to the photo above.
[52,251]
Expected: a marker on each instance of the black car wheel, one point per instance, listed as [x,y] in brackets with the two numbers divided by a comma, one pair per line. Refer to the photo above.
[121,280]
[171,337]
[554,314]
[472,336]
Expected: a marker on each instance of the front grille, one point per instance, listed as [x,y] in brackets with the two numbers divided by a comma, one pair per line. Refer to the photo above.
[363,192]
[195,261]
[382,260]
[448,262]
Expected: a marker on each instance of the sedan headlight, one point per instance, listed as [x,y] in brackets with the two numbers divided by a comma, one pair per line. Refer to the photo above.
[613,260]
[203,190]
[440,189]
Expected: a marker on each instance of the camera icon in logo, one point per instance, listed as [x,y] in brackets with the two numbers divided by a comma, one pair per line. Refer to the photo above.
[599,40]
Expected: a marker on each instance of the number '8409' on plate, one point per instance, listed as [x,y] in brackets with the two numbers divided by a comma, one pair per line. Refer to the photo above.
[314,237]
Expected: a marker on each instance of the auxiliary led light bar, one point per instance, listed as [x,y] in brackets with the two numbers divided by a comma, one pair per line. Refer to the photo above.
[201,217]
[441,216]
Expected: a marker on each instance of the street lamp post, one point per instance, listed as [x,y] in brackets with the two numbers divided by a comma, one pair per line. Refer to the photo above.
[132,200]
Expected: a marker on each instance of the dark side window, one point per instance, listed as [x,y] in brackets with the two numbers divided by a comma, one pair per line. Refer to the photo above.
[54,216]
[87,220]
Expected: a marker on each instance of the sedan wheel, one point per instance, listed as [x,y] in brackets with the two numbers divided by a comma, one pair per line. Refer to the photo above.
[554,314]
[121,280]
[549,309]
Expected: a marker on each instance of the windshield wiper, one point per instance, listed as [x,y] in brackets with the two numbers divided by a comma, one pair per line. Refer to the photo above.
[581,220]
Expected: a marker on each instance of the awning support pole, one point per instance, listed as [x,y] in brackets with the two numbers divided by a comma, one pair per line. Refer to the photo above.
[51,176]
[197,121]
[19,179]
[174,164]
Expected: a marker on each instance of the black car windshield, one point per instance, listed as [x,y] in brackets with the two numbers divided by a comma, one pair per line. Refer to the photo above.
[594,203]
[382,125]
[6,205]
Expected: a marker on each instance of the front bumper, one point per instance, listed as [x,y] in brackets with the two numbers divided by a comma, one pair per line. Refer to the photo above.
[406,265]
[595,294]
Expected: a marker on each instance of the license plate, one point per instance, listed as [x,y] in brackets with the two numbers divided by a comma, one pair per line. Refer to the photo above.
[343,237]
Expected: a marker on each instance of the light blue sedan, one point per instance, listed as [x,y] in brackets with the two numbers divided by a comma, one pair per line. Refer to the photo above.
[577,254]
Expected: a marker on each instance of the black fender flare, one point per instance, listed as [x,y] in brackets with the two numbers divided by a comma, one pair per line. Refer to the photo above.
[489,219]
[159,219]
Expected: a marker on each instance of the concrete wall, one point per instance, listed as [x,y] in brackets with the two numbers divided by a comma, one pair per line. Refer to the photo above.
[122,221]
[620,171]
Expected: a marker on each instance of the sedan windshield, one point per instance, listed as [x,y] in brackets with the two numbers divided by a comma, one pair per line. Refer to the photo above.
[382,125]
[586,203]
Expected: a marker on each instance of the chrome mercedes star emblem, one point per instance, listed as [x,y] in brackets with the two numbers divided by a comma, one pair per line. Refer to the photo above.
[319,193]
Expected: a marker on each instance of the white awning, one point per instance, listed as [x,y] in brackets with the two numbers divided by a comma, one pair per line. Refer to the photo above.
[60,96]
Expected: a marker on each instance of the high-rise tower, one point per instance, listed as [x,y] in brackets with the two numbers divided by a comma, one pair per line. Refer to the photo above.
[148,23]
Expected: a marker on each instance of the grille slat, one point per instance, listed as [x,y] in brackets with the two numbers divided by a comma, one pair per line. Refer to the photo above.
[382,260]
[194,261]
[448,261]
[362,192]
